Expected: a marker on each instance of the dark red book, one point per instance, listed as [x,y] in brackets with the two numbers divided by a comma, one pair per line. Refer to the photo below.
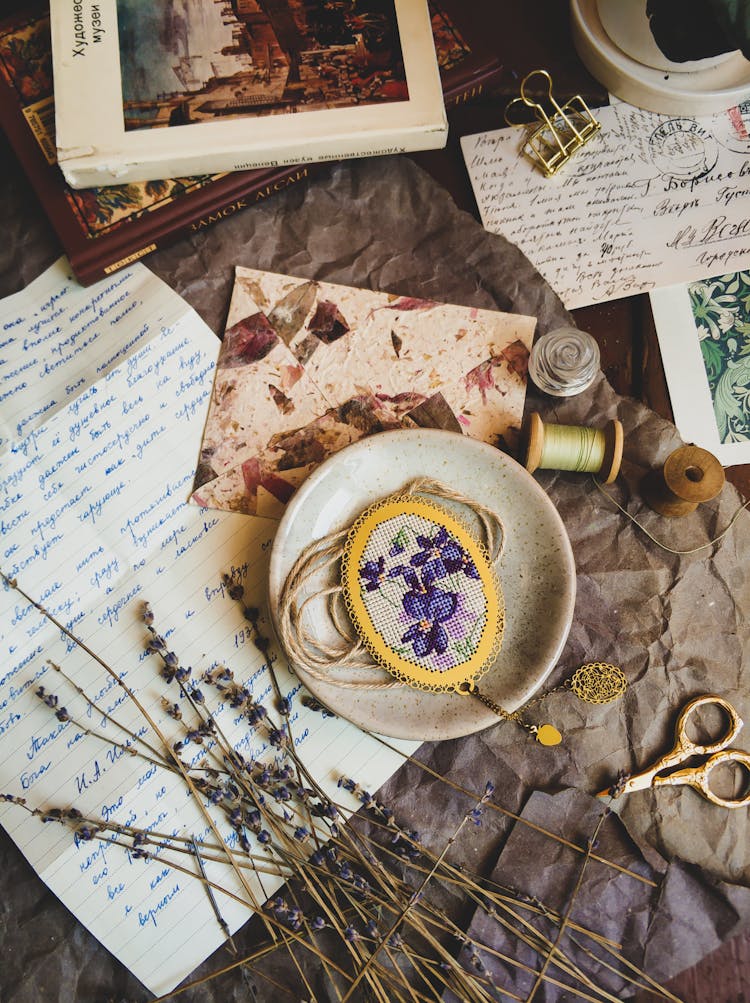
[465,45]
[104,229]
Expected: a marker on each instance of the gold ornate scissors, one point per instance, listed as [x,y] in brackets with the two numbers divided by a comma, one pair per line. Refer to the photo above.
[683,749]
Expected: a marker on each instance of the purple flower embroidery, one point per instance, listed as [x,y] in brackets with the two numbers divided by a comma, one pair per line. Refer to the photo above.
[372,573]
[440,556]
[429,607]
[469,568]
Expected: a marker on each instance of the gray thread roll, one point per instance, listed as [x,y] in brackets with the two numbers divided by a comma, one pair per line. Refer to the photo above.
[564,362]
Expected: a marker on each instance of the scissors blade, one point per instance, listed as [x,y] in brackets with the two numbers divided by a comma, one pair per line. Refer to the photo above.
[637,782]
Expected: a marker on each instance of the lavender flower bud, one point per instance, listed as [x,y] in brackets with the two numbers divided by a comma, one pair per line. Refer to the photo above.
[48,698]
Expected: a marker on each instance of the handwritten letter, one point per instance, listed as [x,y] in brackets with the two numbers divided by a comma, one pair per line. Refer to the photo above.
[650,201]
[104,394]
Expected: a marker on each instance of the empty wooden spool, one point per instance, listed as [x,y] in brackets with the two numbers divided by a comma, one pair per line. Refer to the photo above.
[691,475]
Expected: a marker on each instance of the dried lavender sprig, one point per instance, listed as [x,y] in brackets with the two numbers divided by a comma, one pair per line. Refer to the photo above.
[513,815]
[454,930]
[387,904]
[461,876]
[428,877]
[449,976]
[62,714]
[379,870]
[172,665]
[443,924]
[138,739]
[327,900]
[647,985]
[172,671]
[212,899]
[542,944]
[576,889]
[13,584]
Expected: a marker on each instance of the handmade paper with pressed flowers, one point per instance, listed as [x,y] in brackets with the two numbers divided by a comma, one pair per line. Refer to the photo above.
[308,367]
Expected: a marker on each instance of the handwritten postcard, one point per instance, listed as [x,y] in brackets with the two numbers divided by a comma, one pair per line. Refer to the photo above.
[704,336]
[104,394]
[308,367]
[650,201]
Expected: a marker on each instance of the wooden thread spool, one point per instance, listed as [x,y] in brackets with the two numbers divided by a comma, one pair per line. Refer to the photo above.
[691,475]
[573,447]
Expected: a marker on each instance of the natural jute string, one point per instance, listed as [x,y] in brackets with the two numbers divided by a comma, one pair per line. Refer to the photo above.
[671,550]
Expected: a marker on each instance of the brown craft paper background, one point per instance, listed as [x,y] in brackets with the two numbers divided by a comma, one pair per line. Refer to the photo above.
[677,626]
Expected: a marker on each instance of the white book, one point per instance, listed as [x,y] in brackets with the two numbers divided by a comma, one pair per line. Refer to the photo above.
[184,87]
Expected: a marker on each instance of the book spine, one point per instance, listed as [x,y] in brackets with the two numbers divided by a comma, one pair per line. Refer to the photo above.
[194,220]
[474,91]
[79,173]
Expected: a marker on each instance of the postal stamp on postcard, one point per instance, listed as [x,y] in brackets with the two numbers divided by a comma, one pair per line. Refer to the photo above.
[683,149]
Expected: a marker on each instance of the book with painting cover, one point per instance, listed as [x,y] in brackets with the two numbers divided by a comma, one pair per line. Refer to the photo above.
[103,229]
[186,87]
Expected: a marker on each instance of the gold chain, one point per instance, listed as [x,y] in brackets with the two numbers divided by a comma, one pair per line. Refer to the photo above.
[594,683]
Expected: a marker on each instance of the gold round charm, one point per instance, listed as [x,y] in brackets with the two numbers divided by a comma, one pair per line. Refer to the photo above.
[598,682]
[547,734]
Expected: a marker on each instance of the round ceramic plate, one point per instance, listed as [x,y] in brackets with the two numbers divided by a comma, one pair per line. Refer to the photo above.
[537,574]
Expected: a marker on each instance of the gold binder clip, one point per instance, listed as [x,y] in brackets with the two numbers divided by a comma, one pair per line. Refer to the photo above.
[560,133]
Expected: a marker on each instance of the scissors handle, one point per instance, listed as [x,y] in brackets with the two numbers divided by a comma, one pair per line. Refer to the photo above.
[685,746]
[698,777]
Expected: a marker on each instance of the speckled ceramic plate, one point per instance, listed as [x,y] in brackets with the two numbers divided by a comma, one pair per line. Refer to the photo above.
[537,573]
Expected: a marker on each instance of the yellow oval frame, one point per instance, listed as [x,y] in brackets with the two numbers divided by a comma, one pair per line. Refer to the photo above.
[409,672]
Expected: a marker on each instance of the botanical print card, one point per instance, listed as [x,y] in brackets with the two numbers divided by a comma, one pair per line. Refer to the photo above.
[704,336]
[308,367]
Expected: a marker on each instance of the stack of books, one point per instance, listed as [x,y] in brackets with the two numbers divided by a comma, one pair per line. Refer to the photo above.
[363,82]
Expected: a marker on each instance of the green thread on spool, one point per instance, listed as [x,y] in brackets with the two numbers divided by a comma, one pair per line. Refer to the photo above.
[572,447]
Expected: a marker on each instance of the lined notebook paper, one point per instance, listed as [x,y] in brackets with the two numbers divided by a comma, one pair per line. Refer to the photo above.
[104,394]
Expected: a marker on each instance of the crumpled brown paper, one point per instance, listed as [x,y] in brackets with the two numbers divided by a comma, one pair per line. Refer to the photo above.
[677,626]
